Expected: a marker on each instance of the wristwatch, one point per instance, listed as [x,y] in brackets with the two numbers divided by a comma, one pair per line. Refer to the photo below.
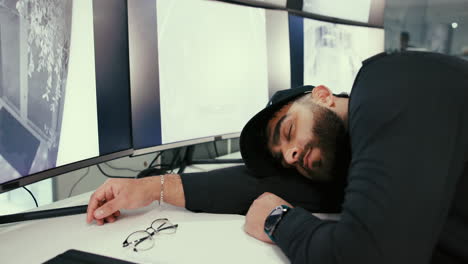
[274,218]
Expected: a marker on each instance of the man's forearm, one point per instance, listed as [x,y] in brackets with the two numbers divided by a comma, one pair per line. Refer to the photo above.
[173,190]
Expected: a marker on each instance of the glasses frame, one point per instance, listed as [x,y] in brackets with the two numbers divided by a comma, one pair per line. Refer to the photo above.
[151,231]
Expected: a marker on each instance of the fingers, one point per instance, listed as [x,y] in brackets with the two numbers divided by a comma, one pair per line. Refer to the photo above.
[109,208]
[94,203]
[113,217]
[99,221]
[109,219]
[97,200]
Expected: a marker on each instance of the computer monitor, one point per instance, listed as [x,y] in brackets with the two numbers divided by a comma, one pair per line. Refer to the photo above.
[273,4]
[198,71]
[64,87]
[329,53]
[364,11]
[278,51]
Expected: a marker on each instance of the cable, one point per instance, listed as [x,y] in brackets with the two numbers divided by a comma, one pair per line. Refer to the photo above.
[81,178]
[117,168]
[140,173]
[155,158]
[32,195]
[152,170]
[208,151]
[180,160]
[216,148]
[174,159]
[112,176]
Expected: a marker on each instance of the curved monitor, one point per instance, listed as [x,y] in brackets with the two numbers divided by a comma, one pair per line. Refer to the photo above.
[272,4]
[198,71]
[364,11]
[330,54]
[64,87]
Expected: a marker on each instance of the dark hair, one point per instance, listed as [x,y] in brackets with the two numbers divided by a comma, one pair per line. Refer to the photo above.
[405,35]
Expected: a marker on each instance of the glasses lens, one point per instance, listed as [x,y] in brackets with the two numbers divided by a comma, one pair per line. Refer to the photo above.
[141,240]
[163,226]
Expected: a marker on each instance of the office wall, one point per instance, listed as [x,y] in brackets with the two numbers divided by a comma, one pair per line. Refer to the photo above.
[401,16]
[429,23]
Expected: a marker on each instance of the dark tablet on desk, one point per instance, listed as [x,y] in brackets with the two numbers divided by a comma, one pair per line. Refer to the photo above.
[74,256]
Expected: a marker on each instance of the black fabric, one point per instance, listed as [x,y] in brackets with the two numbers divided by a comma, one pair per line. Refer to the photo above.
[228,190]
[74,256]
[232,190]
[405,201]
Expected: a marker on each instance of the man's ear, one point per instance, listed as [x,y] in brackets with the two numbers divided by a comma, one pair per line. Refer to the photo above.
[323,96]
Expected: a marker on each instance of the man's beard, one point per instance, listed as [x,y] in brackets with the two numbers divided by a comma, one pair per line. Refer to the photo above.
[331,138]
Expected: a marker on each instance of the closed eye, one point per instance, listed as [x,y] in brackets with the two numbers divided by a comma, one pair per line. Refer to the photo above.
[289,133]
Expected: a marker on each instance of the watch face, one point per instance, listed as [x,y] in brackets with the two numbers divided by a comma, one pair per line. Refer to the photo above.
[273,219]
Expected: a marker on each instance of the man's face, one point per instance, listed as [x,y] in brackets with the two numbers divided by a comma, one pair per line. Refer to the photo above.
[309,137]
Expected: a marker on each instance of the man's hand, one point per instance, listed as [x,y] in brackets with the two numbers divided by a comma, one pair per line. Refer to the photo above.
[116,194]
[258,212]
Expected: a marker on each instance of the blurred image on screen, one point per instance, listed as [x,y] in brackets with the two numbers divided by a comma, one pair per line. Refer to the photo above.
[333,53]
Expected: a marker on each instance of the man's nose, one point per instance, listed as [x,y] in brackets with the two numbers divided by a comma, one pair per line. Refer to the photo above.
[292,155]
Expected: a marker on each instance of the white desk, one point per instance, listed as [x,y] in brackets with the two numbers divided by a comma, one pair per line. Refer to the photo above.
[200,238]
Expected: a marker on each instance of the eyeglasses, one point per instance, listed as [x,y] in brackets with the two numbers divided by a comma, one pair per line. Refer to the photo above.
[143,239]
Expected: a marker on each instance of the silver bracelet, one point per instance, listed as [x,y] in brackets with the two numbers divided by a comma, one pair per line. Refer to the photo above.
[161,194]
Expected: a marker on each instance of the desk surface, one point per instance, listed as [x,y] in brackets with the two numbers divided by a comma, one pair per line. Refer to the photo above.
[200,238]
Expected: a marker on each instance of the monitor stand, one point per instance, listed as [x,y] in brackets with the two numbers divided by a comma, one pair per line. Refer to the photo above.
[188,160]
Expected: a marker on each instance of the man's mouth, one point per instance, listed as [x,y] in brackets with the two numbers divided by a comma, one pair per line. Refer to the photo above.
[312,159]
[305,159]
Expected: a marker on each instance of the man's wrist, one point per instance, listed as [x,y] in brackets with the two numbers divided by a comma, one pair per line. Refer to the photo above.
[161,188]
[274,219]
[173,189]
[154,187]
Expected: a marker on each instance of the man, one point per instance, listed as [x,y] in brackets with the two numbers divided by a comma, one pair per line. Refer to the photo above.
[404,40]
[407,126]
[405,201]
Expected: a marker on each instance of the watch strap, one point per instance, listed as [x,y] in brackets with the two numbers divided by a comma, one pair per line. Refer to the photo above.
[274,218]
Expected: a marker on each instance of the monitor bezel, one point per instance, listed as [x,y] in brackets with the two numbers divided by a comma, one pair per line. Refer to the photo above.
[46,174]
[184,143]
[376,16]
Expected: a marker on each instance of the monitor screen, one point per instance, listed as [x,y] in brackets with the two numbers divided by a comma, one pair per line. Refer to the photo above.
[333,53]
[278,52]
[198,70]
[64,87]
[364,11]
[261,3]
[330,54]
